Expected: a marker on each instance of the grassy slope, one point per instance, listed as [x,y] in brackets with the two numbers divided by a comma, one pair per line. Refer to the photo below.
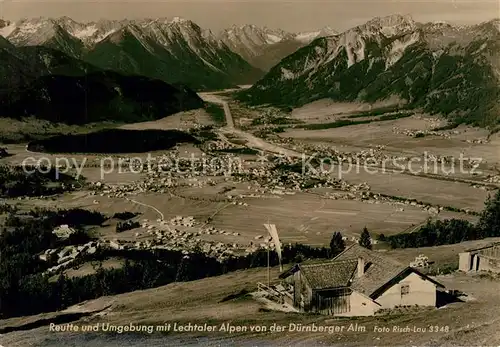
[22,65]
[205,301]
[29,129]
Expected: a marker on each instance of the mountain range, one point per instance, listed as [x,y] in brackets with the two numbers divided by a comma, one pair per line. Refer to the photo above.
[175,51]
[440,68]
[437,67]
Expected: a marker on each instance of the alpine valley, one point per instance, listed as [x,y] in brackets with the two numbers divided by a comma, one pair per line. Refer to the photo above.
[436,67]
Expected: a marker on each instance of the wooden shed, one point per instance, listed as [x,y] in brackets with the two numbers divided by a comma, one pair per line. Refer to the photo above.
[322,287]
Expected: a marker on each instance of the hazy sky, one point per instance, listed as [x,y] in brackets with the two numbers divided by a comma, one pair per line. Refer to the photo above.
[291,15]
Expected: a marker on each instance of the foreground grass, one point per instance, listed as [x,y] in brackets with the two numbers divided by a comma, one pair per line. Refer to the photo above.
[223,300]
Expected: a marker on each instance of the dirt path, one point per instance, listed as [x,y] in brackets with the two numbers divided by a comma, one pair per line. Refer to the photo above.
[146,205]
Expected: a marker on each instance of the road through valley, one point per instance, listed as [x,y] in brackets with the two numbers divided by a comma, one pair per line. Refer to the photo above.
[251,140]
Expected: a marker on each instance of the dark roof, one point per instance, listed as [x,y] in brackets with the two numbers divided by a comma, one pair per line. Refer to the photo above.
[332,274]
[383,270]
[289,272]
[485,247]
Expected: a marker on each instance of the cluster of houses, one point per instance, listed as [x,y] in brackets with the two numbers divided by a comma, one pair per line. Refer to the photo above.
[492,179]
[267,179]
[65,257]
[377,155]
[181,233]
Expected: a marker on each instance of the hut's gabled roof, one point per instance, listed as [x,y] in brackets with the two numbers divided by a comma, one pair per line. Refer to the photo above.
[329,275]
[380,272]
[491,245]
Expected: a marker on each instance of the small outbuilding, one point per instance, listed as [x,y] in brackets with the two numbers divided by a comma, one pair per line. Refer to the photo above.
[480,259]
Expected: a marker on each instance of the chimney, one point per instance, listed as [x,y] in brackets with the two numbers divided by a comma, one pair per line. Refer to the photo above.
[361,266]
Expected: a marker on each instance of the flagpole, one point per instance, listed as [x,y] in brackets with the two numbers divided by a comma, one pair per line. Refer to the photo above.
[268,262]
[268,268]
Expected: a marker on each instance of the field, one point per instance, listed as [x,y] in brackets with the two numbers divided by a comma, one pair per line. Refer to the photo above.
[434,191]
[390,134]
[307,218]
[324,110]
[302,217]
[182,120]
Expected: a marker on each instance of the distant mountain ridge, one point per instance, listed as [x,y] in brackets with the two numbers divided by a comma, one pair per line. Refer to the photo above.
[20,66]
[264,47]
[175,51]
[45,83]
[435,66]
[261,48]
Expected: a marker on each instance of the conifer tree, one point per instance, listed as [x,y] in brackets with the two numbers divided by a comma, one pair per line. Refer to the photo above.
[365,240]
[337,244]
[489,223]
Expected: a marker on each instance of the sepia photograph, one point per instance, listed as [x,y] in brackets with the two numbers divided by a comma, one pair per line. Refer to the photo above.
[249,173]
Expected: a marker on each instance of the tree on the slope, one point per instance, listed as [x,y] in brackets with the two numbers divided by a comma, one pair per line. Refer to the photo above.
[365,240]
[489,223]
[337,244]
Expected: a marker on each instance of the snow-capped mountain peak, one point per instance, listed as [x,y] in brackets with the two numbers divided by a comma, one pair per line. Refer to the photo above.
[394,20]
[32,31]
[252,34]
[179,20]
[264,47]
[327,31]
[272,38]
[37,31]
[86,32]
[390,26]
[307,37]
